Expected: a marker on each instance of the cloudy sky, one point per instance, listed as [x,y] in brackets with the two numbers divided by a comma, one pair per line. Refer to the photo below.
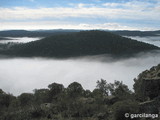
[80,14]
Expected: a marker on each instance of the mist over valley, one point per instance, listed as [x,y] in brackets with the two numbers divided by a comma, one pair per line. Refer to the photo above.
[23,74]
[79,60]
[155,40]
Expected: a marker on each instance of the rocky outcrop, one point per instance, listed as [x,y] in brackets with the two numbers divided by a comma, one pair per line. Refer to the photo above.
[152,87]
[147,85]
[150,107]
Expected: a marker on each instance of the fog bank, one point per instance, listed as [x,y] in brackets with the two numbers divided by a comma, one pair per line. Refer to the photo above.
[155,40]
[20,39]
[19,75]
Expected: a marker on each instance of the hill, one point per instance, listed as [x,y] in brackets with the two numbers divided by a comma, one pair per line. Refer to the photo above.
[79,44]
[46,33]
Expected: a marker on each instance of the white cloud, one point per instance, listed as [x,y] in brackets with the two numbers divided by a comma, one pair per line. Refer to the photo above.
[134,10]
[130,5]
[66,25]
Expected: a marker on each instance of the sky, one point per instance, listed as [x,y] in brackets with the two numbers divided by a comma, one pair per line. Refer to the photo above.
[80,14]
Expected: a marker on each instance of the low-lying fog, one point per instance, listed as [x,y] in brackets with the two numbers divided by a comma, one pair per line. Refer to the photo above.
[19,39]
[19,75]
[155,40]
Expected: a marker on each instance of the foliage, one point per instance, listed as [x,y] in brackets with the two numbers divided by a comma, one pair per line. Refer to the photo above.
[55,90]
[74,90]
[117,89]
[103,87]
[57,102]
[25,99]
[122,107]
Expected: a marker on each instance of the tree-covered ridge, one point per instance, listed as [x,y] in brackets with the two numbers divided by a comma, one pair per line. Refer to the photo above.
[80,44]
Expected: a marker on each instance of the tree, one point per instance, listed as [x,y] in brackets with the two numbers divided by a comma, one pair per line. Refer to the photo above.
[87,93]
[1,92]
[103,87]
[75,89]
[41,95]
[5,99]
[26,99]
[119,89]
[54,90]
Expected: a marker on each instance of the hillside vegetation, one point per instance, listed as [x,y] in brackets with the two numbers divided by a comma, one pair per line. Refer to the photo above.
[80,44]
[108,101]
[72,103]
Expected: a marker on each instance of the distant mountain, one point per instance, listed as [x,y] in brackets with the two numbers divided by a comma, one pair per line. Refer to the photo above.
[137,33]
[79,44]
[36,33]
[46,33]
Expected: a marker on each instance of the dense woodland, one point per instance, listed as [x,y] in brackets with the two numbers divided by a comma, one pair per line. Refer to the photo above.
[79,44]
[108,101]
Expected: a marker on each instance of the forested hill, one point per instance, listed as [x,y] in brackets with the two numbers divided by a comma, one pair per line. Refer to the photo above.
[79,44]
